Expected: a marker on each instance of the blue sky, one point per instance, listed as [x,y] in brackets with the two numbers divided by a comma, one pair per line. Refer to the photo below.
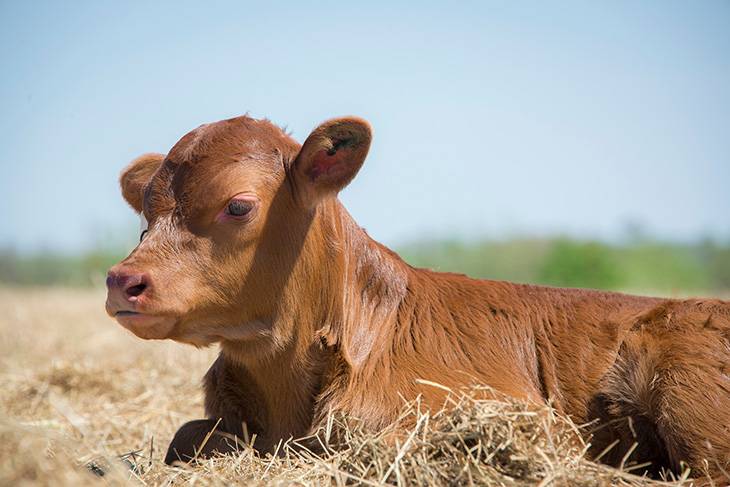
[490,118]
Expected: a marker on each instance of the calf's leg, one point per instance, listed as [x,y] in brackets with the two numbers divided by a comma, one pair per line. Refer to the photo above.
[669,392]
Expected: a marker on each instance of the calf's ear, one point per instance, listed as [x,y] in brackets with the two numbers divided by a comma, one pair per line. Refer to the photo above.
[135,177]
[330,157]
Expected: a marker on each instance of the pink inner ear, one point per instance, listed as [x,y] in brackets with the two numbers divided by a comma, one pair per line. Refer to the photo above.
[323,163]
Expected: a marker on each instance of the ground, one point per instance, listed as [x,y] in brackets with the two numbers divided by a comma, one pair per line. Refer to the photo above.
[82,395]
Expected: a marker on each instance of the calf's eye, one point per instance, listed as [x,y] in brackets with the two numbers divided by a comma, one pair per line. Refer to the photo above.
[239,208]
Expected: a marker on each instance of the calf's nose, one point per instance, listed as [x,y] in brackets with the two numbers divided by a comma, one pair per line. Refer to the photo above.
[126,285]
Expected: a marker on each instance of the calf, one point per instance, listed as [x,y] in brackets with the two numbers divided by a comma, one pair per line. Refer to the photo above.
[249,247]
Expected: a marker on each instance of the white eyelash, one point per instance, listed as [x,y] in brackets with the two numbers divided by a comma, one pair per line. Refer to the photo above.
[142,223]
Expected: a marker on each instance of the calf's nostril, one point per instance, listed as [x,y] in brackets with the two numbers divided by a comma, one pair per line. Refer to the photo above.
[134,291]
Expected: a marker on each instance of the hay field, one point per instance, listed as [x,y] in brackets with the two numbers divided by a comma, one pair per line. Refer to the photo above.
[78,390]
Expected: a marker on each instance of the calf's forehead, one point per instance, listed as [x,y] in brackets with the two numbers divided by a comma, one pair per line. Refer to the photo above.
[228,138]
[207,159]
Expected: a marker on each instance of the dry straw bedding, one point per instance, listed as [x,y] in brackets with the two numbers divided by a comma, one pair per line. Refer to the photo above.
[79,393]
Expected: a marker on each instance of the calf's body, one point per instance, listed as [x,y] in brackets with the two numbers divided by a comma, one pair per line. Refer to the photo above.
[313,316]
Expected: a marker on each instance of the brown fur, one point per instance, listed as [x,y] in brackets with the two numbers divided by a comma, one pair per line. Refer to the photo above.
[313,316]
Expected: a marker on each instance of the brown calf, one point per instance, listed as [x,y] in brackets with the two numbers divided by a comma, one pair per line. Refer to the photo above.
[249,247]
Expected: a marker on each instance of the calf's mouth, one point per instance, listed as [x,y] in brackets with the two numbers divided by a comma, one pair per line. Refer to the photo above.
[145,325]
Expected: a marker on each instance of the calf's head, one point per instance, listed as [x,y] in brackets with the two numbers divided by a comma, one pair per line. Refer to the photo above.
[228,210]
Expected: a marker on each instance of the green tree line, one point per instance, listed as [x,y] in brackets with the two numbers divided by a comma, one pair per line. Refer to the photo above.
[643,266]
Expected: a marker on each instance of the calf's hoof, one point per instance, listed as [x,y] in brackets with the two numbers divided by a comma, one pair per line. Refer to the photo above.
[200,439]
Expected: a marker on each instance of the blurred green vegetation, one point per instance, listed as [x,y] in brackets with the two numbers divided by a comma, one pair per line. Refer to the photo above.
[641,265]
[50,268]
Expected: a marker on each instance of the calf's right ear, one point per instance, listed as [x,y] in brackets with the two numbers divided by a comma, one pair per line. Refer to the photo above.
[136,176]
[330,157]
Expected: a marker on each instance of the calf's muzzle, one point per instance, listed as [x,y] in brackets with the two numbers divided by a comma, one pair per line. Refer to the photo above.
[125,288]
